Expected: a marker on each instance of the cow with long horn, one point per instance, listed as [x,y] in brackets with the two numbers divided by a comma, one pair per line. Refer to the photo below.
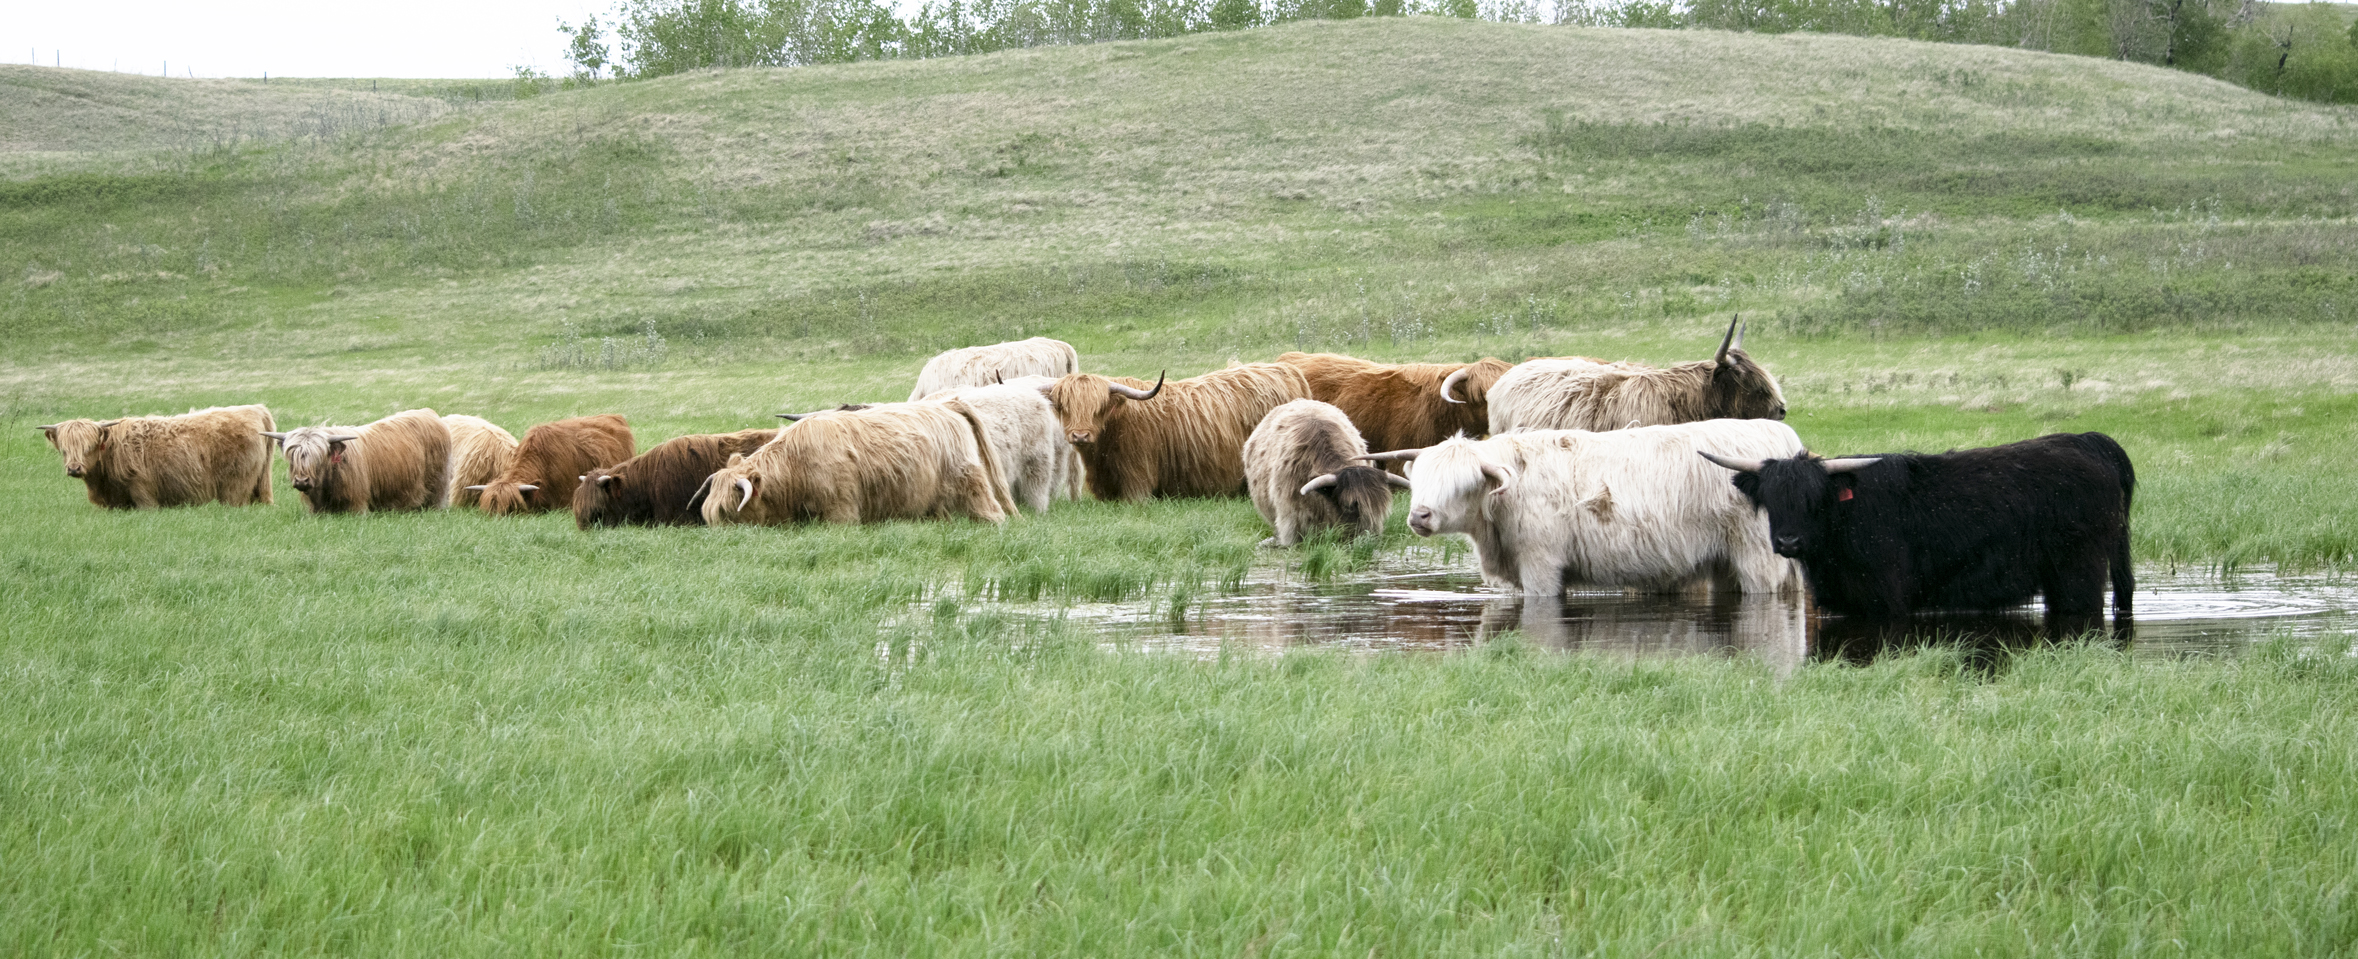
[1631,508]
[396,463]
[1175,438]
[1968,529]
[1579,393]
[922,460]
[1301,470]
[1397,406]
[146,462]
[659,487]
[479,451]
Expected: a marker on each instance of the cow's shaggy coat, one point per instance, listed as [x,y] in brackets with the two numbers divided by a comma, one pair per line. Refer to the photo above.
[1578,393]
[146,462]
[995,364]
[1631,508]
[1072,476]
[1885,536]
[479,452]
[655,488]
[1402,406]
[1025,438]
[1302,471]
[1182,438]
[396,463]
[551,461]
[893,461]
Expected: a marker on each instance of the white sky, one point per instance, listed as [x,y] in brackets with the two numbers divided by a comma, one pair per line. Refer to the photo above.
[244,38]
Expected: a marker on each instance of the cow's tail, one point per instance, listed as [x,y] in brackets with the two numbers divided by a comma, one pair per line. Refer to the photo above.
[992,473]
[261,492]
[2124,577]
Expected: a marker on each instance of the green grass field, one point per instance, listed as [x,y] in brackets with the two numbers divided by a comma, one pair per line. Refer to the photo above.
[253,732]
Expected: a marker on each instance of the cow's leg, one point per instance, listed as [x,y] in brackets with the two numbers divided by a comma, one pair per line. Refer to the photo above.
[2074,589]
[143,496]
[2124,576]
[1542,573]
[980,502]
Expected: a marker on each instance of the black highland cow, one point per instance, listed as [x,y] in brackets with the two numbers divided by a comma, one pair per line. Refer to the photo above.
[1967,529]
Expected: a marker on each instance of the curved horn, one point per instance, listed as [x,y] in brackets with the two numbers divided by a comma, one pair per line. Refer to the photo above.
[609,480]
[526,487]
[1322,482]
[1391,457]
[696,502]
[343,437]
[1136,393]
[1730,462]
[583,478]
[477,489]
[1449,385]
[1849,464]
[109,423]
[1727,341]
[798,417]
[281,437]
[744,494]
[1740,327]
[997,379]
[1505,477]
[54,426]
[1399,481]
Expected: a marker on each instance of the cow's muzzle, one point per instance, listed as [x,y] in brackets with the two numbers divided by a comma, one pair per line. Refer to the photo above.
[75,471]
[1079,437]
[1789,546]
[1420,521]
[301,486]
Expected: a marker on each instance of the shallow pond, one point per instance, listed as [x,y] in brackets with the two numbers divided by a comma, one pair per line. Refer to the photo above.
[2177,613]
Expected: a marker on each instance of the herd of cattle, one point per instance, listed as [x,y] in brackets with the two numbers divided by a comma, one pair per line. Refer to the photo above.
[1559,470]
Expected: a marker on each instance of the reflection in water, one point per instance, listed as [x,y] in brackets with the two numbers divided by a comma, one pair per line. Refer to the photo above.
[2177,613]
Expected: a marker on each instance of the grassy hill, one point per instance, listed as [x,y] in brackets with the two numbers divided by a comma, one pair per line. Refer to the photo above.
[257,732]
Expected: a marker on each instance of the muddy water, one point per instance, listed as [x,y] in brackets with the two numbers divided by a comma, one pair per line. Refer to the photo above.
[2179,613]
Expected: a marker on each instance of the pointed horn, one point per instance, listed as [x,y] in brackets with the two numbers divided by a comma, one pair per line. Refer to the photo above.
[696,502]
[343,437]
[1730,462]
[526,487]
[1740,327]
[609,480]
[583,478]
[1504,477]
[744,493]
[793,417]
[1727,341]
[54,426]
[1449,385]
[110,422]
[1138,394]
[998,379]
[1394,456]
[477,489]
[1322,482]
[1848,464]
[1399,481]
[281,437]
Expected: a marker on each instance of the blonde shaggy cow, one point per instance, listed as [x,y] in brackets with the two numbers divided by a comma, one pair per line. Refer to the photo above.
[1182,438]
[1634,508]
[995,364]
[1300,466]
[147,462]
[1578,393]
[922,460]
[396,463]
[479,452]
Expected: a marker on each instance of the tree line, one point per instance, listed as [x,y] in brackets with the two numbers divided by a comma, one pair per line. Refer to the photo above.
[2304,50]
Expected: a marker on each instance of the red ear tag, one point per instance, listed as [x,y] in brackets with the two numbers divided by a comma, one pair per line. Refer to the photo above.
[1843,495]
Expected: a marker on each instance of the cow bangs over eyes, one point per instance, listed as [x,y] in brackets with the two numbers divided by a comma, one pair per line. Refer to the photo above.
[307,451]
[1081,400]
[1449,477]
[77,439]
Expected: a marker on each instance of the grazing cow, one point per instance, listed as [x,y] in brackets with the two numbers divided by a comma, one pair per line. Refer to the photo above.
[395,463]
[1300,466]
[479,452]
[994,364]
[892,461]
[1190,442]
[1071,475]
[146,462]
[1402,406]
[1967,529]
[1633,508]
[655,488]
[551,461]
[1025,438]
[1578,393]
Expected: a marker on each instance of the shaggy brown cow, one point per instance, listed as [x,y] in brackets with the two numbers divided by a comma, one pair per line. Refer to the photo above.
[658,487]
[145,462]
[1300,465]
[479,452]
[894,461]
[1577,393]
[551,461]
[1183,438]
[395,463]
[1403,406]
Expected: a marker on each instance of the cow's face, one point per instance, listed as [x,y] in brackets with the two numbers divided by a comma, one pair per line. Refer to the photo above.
[1085,403]
[1798,495]
[313,454]
[507,497]
[1742,390]
[1362,496]
[82,443]
[732,494]
[1451,484]
[593,500]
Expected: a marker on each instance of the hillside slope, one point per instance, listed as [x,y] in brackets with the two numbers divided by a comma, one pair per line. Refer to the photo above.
[1417,185]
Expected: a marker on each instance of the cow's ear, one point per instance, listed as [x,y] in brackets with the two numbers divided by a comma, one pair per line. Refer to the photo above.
[1748,484]
[736,458]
